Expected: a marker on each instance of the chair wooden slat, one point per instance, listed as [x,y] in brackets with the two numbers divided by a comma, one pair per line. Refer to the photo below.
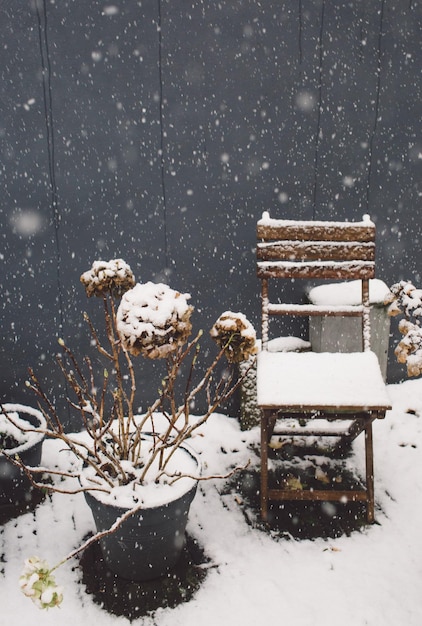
[316,231]
[315,251]
[348,270]
[315,310]
[321,495]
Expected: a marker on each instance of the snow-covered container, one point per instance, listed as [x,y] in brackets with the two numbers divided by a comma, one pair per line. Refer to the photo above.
[249,412]
[343,334]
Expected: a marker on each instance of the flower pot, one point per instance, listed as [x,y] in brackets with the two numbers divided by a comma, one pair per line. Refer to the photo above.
[149,543]
[15,487]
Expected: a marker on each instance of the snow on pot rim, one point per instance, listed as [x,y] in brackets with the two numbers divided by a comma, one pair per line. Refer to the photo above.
[26,435]
[150,494]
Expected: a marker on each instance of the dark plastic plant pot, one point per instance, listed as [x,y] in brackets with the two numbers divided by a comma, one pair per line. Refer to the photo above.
[149,543]
[15,488]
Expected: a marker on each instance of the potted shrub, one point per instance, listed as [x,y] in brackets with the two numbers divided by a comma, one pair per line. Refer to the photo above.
[21,436]
[138,473]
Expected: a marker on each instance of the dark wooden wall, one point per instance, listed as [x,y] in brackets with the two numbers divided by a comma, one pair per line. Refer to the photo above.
[159,130]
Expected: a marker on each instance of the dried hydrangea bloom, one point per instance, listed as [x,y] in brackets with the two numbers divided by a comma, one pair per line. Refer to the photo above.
[411,344]
[153,320]
[404,298]
[38,584]
[234,333]
[113,277]
[414,364]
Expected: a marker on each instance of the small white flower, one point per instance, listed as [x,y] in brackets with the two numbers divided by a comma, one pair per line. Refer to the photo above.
[38,584]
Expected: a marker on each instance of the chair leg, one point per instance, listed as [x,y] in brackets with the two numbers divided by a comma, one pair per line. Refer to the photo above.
[264,467]
[369,462]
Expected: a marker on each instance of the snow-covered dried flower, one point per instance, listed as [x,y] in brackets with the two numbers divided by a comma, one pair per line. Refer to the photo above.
[405,298]
[37,583]
[113,277]
[414,364]
[153,320]
[409,349]
[234,333]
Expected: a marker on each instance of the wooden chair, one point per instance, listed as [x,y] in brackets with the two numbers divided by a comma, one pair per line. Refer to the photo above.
[324,394]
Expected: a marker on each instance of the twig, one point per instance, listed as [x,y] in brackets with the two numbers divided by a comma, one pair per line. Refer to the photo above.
[104,533]
[177,476]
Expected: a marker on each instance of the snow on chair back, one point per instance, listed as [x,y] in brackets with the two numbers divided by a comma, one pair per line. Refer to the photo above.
[292,249]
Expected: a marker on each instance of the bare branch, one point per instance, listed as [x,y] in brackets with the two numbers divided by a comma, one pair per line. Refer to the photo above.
[104,533]
[178,476]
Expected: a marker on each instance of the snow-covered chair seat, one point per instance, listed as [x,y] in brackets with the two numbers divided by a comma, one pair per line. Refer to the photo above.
[344,392]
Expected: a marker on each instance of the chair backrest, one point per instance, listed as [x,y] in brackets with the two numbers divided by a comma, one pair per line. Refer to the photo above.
[319,250]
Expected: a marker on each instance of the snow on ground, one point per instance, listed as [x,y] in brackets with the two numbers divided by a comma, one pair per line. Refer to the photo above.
[371,577]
